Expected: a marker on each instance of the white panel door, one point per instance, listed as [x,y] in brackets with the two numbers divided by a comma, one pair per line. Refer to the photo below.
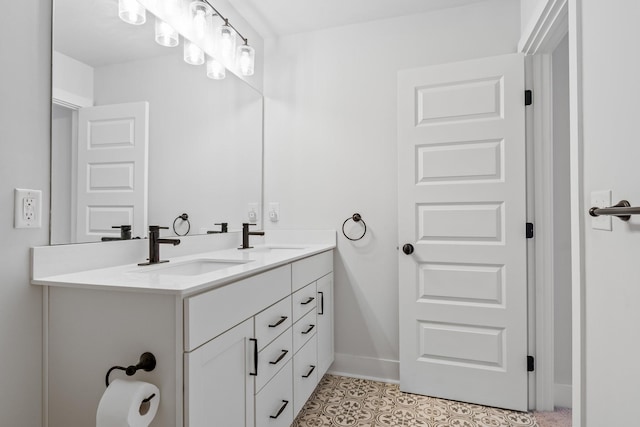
[111,170]
[463,306]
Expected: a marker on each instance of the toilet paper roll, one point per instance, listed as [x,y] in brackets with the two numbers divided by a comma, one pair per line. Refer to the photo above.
[126,404]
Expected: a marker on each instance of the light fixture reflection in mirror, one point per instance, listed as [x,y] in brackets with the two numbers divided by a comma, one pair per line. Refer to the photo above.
[215,70]
[193,54]
[132,12]
[165,34]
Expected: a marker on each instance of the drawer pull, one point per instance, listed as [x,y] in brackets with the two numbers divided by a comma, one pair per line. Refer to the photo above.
[255,358]
[281,410]
[282,355]
[321,303]
[279,322]
[310,372]
[308,330]
[307,301]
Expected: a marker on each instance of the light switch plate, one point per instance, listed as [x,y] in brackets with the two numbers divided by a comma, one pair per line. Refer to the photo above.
[27,208]
[601,199]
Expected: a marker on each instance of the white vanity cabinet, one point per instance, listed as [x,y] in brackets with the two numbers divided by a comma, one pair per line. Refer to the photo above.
[241,353]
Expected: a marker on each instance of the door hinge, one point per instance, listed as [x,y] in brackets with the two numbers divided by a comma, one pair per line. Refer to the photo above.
[531,364]
[528,97]
[529,230]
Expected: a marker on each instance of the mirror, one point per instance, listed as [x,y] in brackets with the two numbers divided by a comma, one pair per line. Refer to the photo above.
[140,137]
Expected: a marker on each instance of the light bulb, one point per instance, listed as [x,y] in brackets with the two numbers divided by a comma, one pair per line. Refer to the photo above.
[165,34]
[193,54]
[227,39]
[215,70]
[132,12]
[200,23]
[246,60]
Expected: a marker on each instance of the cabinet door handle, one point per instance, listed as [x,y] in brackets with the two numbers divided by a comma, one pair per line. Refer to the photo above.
[282,355]
[279,322]
[310,372]
[307,301]
[321,303]
[281,410]
[308,330]
[255,357]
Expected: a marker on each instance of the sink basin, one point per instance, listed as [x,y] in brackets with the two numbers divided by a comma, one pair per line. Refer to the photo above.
[192,268]
[276,248]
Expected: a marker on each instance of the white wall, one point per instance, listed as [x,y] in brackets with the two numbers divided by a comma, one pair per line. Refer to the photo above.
[610,70]
[330,150]
[25,63]
[72,81]
[530,11]
[562,226]
[62,146]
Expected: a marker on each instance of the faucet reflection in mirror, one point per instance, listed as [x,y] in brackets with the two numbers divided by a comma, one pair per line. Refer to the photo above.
[194,21]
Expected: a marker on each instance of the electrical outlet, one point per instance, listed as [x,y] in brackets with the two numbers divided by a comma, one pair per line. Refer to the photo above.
[601,199]
[27,208]
[274,211]
[253,213]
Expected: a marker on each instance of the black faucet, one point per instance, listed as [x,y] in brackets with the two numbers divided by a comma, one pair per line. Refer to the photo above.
[246,233]
[154,244]
[224,228]
[125,233]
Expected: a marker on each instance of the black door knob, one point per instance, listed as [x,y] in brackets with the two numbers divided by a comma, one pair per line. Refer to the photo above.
[407,248]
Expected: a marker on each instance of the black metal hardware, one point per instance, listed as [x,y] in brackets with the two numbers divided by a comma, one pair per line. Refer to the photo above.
[145,405]
[407,248]
[224,228]
[279,322]
[529,230]
[154,244]
[183,217]
[282,355]
[356,217]
[308,301]
[246,233]
[528,97]
[321,312]
[255,357]
[310,372]
[281,410]
[531,364]
[147,363]
[308,330]
[125,233]
[622,210]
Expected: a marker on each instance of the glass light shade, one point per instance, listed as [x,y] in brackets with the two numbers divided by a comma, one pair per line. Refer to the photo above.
[227,44]
[193,54]
[215,70]
[165,34]
[132,12]
[246,58]
[200,14]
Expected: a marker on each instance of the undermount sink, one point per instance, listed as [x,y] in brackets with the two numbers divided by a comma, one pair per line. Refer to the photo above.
[191,268]
[274,248]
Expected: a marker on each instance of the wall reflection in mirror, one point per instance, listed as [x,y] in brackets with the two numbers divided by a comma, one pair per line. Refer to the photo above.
[139,136]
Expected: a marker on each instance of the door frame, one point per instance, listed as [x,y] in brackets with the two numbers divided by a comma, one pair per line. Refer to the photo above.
[556,18]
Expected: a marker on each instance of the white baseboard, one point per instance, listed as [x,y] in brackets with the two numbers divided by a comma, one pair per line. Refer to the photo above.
[562,395]
[366,367]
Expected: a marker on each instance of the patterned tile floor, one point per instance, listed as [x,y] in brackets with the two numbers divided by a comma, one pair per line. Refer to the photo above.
[342,401]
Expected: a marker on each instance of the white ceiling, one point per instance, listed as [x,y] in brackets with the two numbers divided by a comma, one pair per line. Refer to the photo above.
[281,17]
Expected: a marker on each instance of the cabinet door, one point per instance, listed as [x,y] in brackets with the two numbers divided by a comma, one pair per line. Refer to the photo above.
[325,323]
[219,389]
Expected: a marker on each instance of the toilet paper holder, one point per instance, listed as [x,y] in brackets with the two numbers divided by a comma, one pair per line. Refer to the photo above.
[147,363]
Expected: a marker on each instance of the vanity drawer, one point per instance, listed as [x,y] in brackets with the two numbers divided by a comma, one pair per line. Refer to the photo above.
[304,301]
[209,314]
[305,374]
[274,404]
[272,358]
[310,269]
[272,322]
[304,329]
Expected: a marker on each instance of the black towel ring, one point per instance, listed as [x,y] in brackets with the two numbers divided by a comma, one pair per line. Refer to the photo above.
[183,217]
[356,217]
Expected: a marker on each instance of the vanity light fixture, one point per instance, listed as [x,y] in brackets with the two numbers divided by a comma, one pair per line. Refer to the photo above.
[200,12]
[132,12]
[215,70]
[227,43]
[192,53]
[165,34]
[246,59]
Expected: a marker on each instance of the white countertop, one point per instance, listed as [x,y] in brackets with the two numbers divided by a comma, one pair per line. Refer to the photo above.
[131,277]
